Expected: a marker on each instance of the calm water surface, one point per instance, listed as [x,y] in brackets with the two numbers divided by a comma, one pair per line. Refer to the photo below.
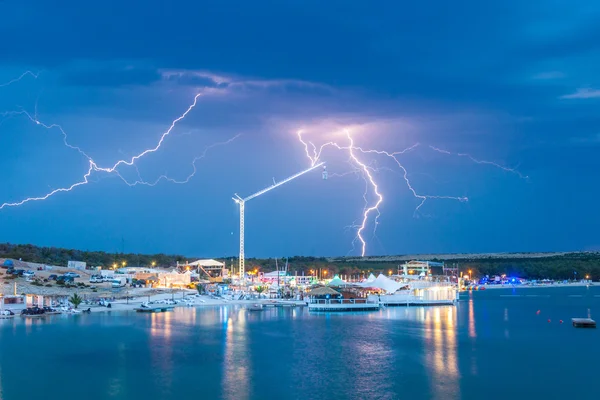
[493,345]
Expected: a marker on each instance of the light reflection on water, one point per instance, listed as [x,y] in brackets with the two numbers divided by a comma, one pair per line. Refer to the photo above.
[440,336]
[161,349]
[236,368]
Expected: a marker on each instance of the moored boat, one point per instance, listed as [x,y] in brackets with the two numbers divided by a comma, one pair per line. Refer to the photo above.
[255,307]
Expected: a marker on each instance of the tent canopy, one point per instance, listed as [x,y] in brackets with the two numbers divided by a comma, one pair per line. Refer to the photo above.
[206,263]
[384,283]
[336,281]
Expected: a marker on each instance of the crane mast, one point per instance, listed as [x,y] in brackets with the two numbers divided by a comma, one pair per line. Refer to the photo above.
[242,203]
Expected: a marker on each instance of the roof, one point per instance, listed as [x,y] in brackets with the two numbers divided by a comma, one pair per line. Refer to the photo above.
[322,291]
[207,263]
[428,263]
[275,273]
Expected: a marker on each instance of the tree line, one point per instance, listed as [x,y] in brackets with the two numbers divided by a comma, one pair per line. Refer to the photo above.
[568,266]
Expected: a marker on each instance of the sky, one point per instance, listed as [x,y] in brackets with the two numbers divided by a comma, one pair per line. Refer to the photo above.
[496,106]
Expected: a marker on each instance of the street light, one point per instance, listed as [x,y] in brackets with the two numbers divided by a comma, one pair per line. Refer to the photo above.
[124,263]
[114,265]
[153,263]
[390,272]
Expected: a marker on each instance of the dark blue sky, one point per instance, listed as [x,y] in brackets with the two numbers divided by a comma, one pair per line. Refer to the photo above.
[514,83]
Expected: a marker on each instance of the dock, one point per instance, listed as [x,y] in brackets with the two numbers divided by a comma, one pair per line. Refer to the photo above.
[583,323]
[154,309]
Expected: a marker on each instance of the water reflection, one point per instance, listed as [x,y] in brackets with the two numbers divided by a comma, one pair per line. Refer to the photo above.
[236,366]
[161,350]
[472,332]
[117,382]
[440,335]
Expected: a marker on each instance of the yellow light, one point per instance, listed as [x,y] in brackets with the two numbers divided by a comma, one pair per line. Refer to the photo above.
[390,271]
[587,277]
[324,272]
[124,263]
[115,265]
[153,263]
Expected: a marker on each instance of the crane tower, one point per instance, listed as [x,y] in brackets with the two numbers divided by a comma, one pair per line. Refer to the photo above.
[242,203]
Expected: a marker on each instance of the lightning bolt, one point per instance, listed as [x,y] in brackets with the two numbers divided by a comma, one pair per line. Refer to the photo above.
[94,167]
[194,168]
[23,75]
[313,153]
[477,161]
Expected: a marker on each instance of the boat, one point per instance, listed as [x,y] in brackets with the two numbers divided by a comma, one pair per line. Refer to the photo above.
[256,307]
[583,322]
[6,314]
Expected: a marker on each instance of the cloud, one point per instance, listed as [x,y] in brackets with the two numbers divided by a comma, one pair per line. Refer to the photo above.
[214,83]
[593,139]
[549,75]
[583,93]
[112,74]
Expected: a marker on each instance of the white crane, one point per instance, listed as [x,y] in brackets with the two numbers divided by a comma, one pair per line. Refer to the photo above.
[242,203]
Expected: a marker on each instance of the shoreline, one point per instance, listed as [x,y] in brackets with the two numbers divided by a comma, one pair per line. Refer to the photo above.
[521,286]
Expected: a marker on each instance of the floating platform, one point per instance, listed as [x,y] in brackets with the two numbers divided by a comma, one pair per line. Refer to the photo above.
[154,309]
[342,305]
[583,323]
[278,304]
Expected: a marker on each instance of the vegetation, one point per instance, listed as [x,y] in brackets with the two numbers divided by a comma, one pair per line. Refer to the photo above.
[568,266]
[60,257]
[76,300]
[260,289]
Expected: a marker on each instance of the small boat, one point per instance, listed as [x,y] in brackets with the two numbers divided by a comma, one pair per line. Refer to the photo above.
[583,322]
[256,307]
[6,314]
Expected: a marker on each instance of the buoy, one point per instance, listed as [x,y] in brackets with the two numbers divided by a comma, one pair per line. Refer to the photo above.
[548,320]
[538,312]
[560,321]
